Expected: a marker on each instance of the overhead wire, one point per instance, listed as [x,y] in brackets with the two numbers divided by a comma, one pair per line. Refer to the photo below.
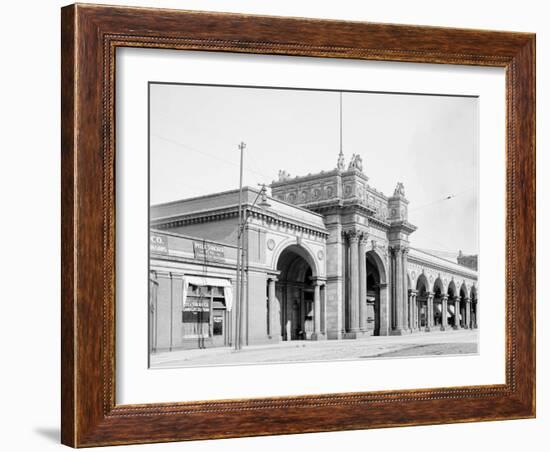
[212,156]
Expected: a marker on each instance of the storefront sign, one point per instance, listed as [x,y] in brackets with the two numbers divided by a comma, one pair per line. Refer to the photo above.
[209,252]
[158,244]
[197,305]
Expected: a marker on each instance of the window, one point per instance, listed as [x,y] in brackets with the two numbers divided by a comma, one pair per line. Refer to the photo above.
[200,304]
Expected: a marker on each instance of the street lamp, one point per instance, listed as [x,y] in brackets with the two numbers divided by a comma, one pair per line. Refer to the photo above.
[242,246]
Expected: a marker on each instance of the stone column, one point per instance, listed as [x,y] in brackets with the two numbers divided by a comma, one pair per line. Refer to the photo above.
[274,329]
[468,307]
[411,309]
[345,286]
[474,312]
[324,310]
[354,299]
[363,283]
[444,323]
[289,312]
[415,311]
[317,310]
[385,315]
[430,321]
[398,301]
[456,326]
[407,324]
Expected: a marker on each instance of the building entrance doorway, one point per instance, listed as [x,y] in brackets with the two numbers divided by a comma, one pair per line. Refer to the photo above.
[373,296]
[295,291]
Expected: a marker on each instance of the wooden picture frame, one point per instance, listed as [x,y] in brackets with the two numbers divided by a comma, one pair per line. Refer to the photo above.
[90,36]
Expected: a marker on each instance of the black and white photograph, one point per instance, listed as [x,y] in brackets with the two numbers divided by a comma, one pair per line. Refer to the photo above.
[295,225]
[275,226]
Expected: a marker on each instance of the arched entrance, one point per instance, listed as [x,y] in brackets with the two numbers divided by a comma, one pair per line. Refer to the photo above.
[455,306]
[295,290]
[422,293]
[440,317]
[473,317]
[463,307]
[376,292]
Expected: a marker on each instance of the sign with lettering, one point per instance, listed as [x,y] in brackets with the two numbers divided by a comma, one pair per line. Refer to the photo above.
[197,305]
[209,252]
[158,244]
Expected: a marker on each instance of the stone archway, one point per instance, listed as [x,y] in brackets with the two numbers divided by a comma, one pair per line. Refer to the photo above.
[454,305]
[464,307]
[474,307]
[423,300]
[440,306]
[377,296]
[298,292]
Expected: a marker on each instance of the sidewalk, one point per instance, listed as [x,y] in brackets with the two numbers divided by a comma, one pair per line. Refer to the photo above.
[435,343]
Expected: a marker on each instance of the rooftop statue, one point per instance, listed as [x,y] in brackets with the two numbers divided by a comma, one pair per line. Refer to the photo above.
[399,189]
[283,175]
[341,165]
[356,162]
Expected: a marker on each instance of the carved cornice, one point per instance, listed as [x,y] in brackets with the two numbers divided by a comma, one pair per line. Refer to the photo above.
[308,178]
[424,263]
[233,212]
[403,225]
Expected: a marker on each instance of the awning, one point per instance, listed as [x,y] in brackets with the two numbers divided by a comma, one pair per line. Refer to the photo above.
[207,281]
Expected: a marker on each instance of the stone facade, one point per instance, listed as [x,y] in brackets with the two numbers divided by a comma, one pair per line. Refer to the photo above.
[329,258]
[469,261]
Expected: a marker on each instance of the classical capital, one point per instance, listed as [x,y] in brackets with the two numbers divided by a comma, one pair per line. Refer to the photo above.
[353,235]
[395,250]
[318,282]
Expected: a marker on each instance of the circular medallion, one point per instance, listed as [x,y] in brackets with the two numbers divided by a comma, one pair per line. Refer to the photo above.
[271,244]
[329,191]
[320,255]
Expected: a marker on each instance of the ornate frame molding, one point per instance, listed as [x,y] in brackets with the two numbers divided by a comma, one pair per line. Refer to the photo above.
[90,36]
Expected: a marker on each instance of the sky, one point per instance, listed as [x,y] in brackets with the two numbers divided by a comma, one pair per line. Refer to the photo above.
[430,143]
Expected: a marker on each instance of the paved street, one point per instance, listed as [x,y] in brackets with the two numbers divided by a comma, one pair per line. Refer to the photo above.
[425,344]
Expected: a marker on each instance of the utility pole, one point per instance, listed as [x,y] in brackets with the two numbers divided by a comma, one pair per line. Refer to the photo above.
[239,282]
[242,248]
